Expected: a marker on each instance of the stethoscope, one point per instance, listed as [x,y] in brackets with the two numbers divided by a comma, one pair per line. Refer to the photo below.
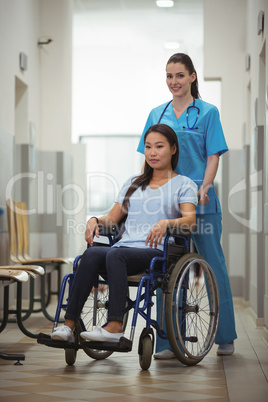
[187,114]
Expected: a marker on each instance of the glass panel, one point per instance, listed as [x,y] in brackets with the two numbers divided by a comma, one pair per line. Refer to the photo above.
[111,160]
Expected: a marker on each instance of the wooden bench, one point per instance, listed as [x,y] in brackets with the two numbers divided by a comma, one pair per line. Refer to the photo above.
[19,274]
[19,253]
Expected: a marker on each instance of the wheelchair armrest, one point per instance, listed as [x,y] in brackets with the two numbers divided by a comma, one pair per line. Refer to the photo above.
[104,230]
[115,231]
[178,232]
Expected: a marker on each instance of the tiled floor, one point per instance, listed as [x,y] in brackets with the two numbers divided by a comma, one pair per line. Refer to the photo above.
[44,375]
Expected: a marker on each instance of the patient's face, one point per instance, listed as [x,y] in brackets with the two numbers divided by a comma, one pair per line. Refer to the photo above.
[158,152]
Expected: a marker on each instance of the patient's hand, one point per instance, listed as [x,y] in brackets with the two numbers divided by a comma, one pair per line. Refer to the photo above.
[156,234]
[91,229]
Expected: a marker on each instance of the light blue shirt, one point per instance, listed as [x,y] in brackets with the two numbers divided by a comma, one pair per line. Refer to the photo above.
[148,207]
[195,145]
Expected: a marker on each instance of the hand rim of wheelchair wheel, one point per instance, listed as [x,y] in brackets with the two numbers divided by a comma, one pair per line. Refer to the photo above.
[95,313]
[93,353]
[181,269]
[211,341]
[101,319]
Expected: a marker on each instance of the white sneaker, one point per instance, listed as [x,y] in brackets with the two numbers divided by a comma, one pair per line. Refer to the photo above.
[164,355]
[63,333]
[101,335]
[225,350]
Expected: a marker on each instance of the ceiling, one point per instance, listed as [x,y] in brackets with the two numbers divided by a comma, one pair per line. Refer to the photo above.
[182,23]
[185,6]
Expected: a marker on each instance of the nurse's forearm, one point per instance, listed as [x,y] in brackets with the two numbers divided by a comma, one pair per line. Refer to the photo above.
[211,171]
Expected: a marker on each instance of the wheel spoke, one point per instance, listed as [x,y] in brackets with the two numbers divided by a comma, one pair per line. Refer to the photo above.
[192,310]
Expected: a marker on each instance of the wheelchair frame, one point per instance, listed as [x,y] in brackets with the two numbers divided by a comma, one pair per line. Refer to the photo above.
[185,306]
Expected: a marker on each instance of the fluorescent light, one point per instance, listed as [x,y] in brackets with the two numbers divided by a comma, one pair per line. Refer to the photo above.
[172,45]
[165,3]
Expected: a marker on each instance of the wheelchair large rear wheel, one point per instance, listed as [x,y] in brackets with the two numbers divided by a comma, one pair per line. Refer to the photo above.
[192,309]
[95,313]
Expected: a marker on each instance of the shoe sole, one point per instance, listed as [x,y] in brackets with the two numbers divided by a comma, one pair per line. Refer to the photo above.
[58,338]
[98,336]
[100,339]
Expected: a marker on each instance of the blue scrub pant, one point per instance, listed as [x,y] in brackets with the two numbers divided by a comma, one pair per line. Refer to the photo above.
[207,240]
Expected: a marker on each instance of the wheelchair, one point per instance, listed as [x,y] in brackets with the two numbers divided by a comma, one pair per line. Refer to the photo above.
[190,307]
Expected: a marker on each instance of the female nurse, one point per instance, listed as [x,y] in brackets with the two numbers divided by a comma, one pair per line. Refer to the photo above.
[201,140]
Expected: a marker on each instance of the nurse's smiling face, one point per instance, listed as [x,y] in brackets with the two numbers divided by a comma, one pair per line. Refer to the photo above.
[179,80]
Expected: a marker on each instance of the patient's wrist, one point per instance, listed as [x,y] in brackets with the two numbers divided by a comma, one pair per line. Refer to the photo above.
[94,217]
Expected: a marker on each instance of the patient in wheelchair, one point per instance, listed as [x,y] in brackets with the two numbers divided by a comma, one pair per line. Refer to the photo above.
[153,201]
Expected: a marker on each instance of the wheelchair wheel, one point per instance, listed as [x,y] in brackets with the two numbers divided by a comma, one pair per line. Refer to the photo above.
[70,354]
[192,309]
[145,356]
[95,313]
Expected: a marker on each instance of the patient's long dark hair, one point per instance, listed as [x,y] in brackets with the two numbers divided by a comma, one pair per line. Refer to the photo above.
[143,180]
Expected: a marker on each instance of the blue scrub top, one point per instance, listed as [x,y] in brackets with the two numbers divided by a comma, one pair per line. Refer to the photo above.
[195,145]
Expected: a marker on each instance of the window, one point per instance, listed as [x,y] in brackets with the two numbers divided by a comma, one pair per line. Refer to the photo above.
[110,161]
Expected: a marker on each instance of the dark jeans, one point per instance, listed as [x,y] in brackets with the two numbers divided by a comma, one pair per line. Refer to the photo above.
[114,262]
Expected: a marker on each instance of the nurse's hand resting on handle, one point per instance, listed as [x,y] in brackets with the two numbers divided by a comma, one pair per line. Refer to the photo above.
[203,198]
[210,173]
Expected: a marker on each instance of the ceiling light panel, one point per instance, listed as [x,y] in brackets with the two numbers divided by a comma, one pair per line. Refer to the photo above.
[165,3]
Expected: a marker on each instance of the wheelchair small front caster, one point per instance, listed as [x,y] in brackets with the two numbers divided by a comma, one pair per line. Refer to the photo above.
[145,352]
[71,353]
[70,356]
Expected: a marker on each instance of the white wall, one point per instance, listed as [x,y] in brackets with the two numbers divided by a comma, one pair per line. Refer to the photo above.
[36,106]
[56,75]
[230,34]
[19,31]
[224,59]
[48,77]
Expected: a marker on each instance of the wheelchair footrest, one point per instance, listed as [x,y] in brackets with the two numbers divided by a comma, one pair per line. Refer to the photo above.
[45,339]
[124,345]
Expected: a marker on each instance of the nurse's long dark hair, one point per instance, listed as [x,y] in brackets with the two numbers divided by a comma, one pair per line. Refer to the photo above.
[187,62]
[144,179]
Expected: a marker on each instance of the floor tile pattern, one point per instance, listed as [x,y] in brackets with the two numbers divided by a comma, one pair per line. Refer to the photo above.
[44,375]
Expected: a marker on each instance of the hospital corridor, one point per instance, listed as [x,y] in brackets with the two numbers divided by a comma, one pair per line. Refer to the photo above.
[104,105]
